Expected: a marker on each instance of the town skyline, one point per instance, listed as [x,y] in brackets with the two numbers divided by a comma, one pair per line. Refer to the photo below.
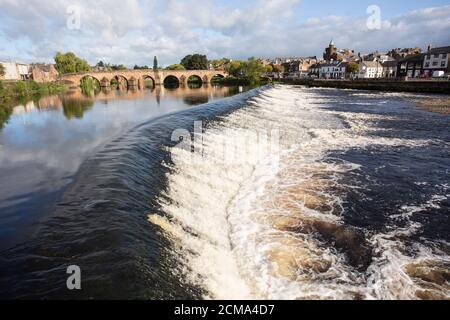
[243,32]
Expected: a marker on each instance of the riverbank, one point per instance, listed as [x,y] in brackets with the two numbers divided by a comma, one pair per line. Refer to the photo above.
[419,86]
[16,92]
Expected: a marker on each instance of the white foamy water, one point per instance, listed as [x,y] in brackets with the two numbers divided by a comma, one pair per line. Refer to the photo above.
[248,229]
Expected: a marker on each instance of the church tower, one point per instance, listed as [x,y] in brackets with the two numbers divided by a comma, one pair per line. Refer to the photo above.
[330,52]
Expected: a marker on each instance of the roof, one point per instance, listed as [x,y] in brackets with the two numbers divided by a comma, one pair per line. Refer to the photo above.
[439,50]
[390,63]
[414,57]
[324,65]
[372,64]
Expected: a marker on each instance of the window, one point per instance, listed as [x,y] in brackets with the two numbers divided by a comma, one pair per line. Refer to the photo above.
[435,63]
[443,63]
[428,56]
[427,64]
[444,56]
[436,55]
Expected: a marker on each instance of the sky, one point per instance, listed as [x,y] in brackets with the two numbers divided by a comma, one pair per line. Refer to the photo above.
[134,31]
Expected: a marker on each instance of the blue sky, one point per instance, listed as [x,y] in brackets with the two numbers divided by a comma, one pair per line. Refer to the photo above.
[133,31]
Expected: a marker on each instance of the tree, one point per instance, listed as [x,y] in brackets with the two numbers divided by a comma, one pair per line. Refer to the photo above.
[269,68]
[155,64]
[136,67]
[70,63]
[253,70]
[118,67]
[352,68]
[2,70]
[220,64]
[175,67]
[235,68]
[195,62]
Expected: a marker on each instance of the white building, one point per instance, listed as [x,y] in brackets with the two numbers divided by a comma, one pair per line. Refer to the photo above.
[390,69]
[370,70]
[16,71]
[437,59]
[333,70]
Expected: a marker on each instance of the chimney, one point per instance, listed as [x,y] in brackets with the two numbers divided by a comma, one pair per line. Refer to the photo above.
[430,47]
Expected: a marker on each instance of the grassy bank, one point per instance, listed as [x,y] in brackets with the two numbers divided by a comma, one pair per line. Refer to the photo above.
[14,93]
[20,89]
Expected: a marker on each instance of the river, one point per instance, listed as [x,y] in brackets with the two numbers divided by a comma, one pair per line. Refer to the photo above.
[280,192]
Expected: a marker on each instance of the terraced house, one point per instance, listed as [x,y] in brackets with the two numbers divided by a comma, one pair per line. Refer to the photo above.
[437,59]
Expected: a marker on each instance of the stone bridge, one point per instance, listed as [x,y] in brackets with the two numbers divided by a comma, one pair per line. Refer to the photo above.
[136,78]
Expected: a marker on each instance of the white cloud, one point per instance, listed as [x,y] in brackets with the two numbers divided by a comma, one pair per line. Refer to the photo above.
[133,31]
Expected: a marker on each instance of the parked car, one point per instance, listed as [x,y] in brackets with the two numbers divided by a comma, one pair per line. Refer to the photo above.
[438,74]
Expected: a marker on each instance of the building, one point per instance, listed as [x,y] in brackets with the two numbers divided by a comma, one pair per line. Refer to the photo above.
[389,69]
[44,72]
[399,53]
[330,70]
[16,71]
[411,66]
[314,70]
[299,68]
[370,70]
[437,59]
[330,53]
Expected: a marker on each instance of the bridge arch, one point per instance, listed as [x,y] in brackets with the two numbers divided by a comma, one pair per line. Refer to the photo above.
[171,81]
[147,81]
[120,82]
[90,85]
[90,78]
[194,81]
[217,77]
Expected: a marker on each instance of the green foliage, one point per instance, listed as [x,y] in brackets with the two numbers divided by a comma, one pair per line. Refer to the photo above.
[155,64]
[253,70]
[5,114]
[2,70]
[70,63]
[119,67]
[75,108]
[136,67]
[21,92]
[235,68]
[175,67]
[250,70]
[195,62]
[90,86]
[220,64]
[352,68]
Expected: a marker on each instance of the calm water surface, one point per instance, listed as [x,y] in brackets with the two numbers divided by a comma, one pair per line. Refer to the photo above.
[44,142]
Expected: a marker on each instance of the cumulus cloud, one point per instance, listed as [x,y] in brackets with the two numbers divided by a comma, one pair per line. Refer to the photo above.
[133,31]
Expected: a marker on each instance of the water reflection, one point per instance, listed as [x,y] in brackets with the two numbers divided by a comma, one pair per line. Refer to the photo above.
[75,108]
[44,142]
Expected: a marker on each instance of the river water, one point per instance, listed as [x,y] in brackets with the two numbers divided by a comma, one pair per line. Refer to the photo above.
[279,192]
